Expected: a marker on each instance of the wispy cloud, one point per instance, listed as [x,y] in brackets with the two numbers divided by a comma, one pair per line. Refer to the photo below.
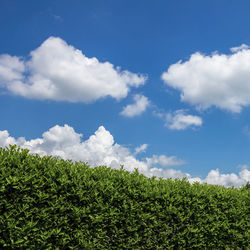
[179,119]
[246,131]
[57,17]
[164,161]
[141,149]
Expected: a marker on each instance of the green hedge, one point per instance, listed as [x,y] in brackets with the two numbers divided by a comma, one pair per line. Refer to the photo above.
[49,203]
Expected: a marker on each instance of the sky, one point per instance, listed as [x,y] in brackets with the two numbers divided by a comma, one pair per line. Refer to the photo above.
[162,86]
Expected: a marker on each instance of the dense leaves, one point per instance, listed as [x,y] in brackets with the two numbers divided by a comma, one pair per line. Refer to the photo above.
[49,203]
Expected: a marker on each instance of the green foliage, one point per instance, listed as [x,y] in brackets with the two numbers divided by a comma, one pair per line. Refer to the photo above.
[48,203]
[247,185]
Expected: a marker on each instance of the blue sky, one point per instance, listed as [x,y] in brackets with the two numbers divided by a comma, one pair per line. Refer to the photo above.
[166,93]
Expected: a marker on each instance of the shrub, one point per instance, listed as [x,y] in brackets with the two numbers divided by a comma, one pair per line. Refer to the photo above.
[51,203]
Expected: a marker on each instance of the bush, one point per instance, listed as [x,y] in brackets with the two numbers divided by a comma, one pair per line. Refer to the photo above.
[49,203]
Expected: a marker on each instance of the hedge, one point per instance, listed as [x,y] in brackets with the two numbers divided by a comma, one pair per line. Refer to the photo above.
[50,203]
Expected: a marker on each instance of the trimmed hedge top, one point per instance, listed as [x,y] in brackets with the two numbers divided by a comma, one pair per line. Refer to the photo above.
[49,203]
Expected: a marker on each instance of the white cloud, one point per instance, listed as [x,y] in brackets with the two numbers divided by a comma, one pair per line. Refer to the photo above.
[57,18]
[245,174]
[164,161]
[217,80]
[246,131]
[58,71]
[100,149]
[216,178]
[11,69]
[140,105]
[239,48]
[141,149]
[6,139]
[179,120]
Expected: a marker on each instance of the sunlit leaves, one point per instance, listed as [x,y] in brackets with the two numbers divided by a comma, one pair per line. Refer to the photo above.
[48,203]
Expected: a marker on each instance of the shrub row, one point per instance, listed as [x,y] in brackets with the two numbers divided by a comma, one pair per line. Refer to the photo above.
[49,203]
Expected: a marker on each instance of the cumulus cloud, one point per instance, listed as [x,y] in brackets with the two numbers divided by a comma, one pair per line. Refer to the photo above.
[98,149]
[58,71]
[239,48]
[215,80]
[215,177]
[11,69]
[137,108]
[6,139]
[101,149]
